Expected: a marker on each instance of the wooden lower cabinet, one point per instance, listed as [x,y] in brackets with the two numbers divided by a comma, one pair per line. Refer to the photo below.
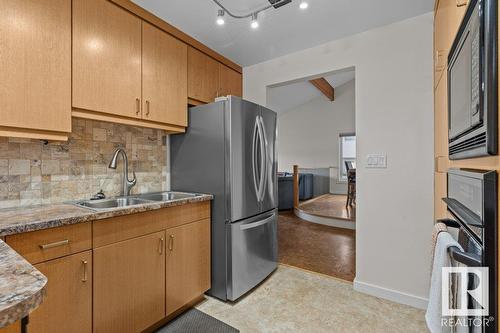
[142,268]
[188,263]
[129,284]
[68,304]
[12,328]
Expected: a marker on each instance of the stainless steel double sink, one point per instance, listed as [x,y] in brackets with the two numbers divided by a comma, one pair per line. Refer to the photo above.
[134,200]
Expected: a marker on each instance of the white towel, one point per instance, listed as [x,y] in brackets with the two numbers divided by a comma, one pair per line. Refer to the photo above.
[441,259]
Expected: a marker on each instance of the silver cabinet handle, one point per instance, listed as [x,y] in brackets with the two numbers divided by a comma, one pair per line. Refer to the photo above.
[160,247]
[55,244]
[137,106]
[147,108]
[84,263]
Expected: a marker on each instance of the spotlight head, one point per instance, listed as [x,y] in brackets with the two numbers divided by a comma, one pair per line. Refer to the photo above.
[220,17]
[255,22]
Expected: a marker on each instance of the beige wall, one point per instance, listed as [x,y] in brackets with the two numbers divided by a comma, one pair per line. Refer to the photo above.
[394,116]
[308,135]
[32,172]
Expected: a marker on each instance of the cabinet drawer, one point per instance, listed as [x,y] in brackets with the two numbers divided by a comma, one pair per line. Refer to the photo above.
[117,229]
[43,245]
[179,215]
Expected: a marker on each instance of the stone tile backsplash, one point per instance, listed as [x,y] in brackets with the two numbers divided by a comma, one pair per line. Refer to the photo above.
[33,172]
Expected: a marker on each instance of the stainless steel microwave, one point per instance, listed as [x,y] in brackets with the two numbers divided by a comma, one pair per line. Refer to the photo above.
[472,84]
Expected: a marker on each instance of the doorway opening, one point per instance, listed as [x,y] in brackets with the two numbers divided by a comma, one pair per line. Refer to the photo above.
[316,146]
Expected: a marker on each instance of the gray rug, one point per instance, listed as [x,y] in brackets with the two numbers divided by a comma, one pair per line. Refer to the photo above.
[195,321]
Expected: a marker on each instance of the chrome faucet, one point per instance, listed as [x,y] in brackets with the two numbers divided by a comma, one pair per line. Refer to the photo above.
[127,184]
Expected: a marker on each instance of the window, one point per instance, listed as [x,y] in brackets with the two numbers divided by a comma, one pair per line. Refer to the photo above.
[347,153]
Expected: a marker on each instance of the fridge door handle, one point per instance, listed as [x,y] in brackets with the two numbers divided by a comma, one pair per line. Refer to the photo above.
[258,223]
[263,159]
[265,169]
[254,153]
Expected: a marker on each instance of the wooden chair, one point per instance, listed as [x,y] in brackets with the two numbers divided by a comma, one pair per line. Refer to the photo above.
[351,184]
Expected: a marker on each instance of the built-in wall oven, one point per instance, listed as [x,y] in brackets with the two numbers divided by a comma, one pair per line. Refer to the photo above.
[472,204]
[472,84]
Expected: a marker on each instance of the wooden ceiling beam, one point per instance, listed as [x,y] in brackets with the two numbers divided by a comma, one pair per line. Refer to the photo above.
[325,87]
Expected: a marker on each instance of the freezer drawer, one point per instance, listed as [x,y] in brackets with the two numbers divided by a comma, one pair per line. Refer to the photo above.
[254,252]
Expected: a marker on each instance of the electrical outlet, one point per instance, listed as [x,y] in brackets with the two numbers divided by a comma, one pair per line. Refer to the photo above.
[376,161]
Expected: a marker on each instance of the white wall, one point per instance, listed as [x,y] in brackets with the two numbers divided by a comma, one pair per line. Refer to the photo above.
[394,115]
[308,135]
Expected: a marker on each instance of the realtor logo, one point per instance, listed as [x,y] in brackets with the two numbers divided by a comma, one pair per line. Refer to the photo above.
[465,291]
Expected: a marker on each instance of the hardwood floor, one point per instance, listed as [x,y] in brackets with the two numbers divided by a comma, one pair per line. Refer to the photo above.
[329,205]
[316,247]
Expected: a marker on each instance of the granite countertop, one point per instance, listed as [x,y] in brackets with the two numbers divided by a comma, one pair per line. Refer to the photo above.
[24,219]
[22,286]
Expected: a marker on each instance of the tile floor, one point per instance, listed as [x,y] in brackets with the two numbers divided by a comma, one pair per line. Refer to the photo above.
[293,300]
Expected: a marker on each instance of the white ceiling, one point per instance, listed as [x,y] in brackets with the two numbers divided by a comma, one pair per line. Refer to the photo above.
[288,96]
[282,31]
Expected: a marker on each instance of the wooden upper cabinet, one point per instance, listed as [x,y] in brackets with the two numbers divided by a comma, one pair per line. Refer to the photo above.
[106,58]
[164,77]
[188,263]
[230,82]
[35,62]
[68,305]
[203,76]
[447,19]
[129,284]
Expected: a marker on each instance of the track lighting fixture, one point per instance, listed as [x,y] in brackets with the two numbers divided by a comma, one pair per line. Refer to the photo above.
[276,4]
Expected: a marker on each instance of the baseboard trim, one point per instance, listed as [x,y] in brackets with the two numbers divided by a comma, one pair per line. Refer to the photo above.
[390,294]
[345,224]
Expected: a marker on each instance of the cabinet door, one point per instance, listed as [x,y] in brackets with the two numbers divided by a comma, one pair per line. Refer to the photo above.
[129,284]
[35,62]
[164,77]
[230,81]
[203,76]
[188,263]
[106,58]
[68,305]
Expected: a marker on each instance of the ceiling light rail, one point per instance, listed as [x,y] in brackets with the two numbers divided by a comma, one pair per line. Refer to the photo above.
[253,14]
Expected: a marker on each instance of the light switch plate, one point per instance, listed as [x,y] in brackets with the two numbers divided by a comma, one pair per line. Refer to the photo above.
[376,161]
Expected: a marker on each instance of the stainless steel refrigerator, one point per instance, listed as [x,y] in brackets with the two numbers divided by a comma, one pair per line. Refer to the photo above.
[229,150]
